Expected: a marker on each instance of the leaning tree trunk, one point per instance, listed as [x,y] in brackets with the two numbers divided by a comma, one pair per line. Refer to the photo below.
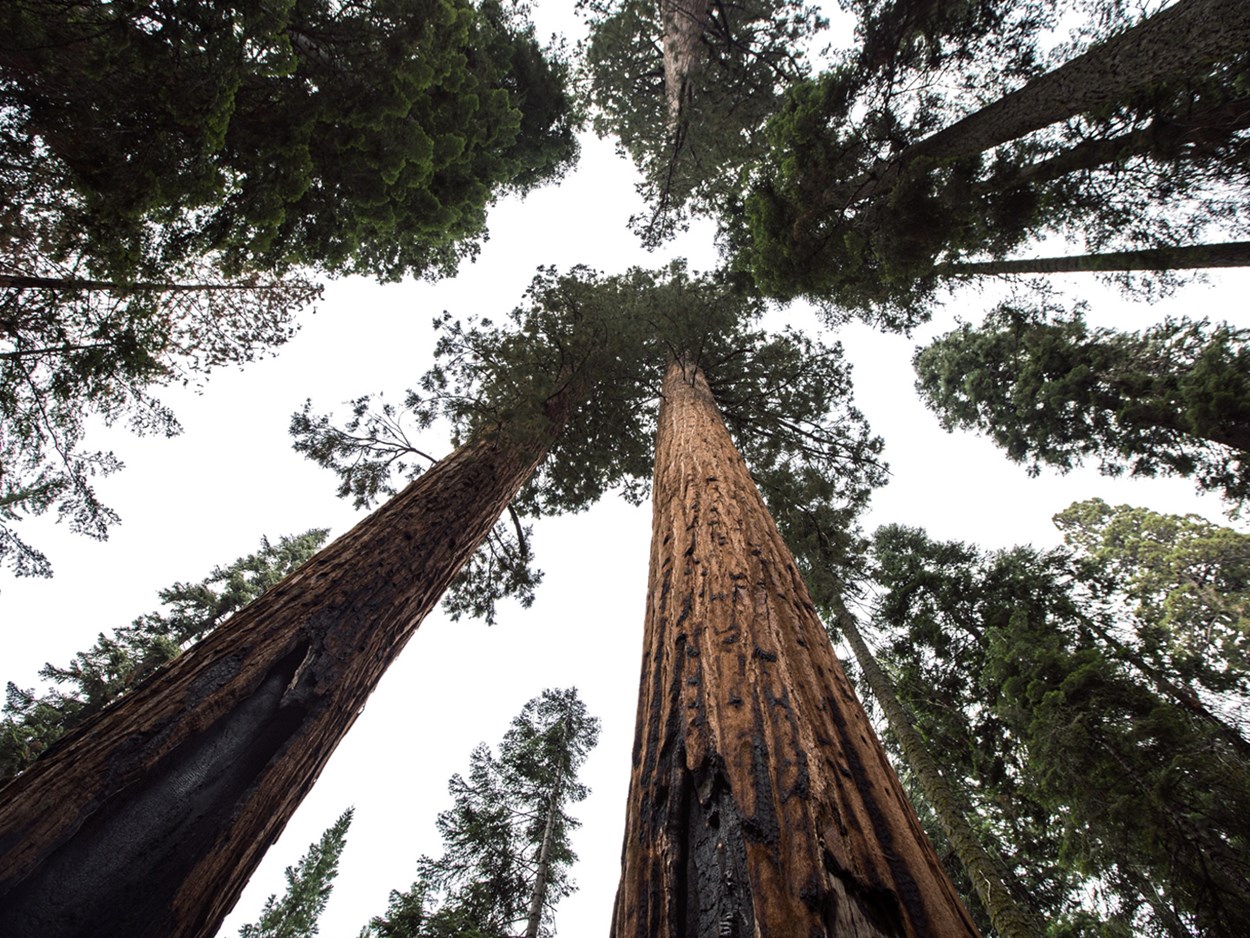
[1204,128]
[1190,257]
[1181,40]
[148,821]
[761,802]
[986,870]
[538,895]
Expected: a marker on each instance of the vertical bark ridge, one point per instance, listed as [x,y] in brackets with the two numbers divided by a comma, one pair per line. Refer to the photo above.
[987,870]
[149,820]
[761,802]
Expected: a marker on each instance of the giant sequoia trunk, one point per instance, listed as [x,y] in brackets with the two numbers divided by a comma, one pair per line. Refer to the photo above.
[986,870]
[761,802]
[1182,40]
[149,820]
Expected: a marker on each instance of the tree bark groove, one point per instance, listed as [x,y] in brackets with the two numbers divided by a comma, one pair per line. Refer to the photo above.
[148,821]
[987,871]
[761,802]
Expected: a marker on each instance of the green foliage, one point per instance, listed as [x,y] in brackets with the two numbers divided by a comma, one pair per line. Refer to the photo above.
[308,886]
[116,663]
[1186,582]
[362,138]
[862,201]
[1174,399]
[742,55]
[1122,809]
[494,833]
[604,342]
[73,349]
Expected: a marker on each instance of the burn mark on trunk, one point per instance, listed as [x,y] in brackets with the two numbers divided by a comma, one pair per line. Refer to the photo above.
[143,842]
[717,894]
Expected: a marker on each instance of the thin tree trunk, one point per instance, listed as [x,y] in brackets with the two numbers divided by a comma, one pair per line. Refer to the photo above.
[24,282]
[148,821]
[761,803]
[1183,696]
[1189,257]
[538,896]
[1181,40]
[988,872]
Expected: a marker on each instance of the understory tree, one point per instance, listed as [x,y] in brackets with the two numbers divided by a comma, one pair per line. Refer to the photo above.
[1186,583]
[362,138]
[685,86]
[871,195]
[1120,808]
[33,721]
[506,851]
[1173,399]
[308,886]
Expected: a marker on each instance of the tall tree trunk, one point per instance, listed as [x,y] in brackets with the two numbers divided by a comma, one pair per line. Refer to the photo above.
[761,802]
[538,896]
[148,821]
[1181,40]
[987,871]
[1189,257]
[684,23]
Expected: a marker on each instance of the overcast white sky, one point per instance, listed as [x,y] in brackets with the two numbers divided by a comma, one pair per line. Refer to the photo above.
[208,496]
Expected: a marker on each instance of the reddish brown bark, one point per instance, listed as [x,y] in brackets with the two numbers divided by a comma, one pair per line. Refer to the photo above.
[151,818]
[761,802]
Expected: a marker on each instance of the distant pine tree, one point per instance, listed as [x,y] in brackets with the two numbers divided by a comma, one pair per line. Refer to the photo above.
[308,886]
[506,851]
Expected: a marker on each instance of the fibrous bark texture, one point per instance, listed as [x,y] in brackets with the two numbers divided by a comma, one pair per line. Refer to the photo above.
[761,802]
[987,871]
[149,820]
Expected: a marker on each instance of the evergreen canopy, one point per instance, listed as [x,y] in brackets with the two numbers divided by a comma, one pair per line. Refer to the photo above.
[1171,399]
[355,138]
[785,397]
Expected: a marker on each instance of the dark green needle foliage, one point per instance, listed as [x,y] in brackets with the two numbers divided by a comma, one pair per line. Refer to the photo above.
[1186,582]
[1172,400]
[881,175]
[33,721]
[506,852]
[360,137]
[691,121]
[1122,808]
[308,886]
[605,342]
